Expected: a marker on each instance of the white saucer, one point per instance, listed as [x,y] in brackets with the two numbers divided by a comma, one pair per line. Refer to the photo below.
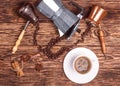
[72,74]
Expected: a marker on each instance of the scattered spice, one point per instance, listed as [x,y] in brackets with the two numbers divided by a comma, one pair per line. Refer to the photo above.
[38,67]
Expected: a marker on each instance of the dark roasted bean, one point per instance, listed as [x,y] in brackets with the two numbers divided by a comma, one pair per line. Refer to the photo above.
[38,67]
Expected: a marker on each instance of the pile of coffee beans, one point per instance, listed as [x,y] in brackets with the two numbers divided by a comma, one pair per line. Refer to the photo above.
[47,50]
[53,55]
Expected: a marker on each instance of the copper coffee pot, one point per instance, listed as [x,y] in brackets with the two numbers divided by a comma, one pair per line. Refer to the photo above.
[96,15]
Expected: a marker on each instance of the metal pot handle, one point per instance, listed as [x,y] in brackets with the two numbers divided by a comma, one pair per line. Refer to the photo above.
[78,7]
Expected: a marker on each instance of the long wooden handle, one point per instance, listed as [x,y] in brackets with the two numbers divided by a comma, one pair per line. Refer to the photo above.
[102,40]
[18,41]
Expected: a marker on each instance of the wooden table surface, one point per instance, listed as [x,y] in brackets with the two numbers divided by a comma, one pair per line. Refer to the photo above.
[52,72]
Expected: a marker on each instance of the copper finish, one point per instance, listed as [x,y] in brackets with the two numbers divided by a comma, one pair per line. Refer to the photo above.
[96,15]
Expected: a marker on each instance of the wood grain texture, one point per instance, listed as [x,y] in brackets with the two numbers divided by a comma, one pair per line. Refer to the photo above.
[52,73]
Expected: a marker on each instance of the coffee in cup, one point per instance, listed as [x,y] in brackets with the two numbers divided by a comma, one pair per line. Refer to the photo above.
[82,64]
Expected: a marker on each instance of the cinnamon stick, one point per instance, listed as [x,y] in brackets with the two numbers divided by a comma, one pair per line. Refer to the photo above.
[16,67]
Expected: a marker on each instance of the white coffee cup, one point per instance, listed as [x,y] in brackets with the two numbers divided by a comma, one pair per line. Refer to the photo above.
[70,70]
